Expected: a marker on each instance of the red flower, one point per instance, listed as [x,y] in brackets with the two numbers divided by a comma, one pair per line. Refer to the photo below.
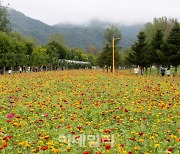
[144,118]
[77,137]
[126,110]
[104,140]
[46,115]
[107,147]
[79,127]
[133,139]
[7,137]
[168,140]
[86,152]
[107,131]
[98,153]
[46,137]
[170,149]
[10,115]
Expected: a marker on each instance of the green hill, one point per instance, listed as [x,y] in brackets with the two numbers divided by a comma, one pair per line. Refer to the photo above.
[76,35]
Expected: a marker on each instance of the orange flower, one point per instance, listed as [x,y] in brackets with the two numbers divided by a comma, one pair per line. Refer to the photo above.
[4,144]
[178,139]
[44,147]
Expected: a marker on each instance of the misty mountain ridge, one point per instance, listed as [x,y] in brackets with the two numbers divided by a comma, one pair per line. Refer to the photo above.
[91,23]
[97,23]
[75,35]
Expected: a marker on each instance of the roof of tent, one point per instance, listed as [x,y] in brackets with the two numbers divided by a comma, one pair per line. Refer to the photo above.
[75,62]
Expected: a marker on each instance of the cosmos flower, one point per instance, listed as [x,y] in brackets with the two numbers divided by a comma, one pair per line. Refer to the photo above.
[11,115]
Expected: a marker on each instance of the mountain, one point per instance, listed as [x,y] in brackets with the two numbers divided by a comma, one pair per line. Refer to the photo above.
[76,35]
[29,27]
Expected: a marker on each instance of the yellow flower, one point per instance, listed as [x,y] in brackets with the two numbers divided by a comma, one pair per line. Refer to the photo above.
[137,148]
[68,148]
[121,150]
[56,150]
[25,143]
[50,143]
[92,144]
[141,140]
[101,130]
[151,137]
[40,142]
[131,119]
[62,120]
[88,123]
[156,145]
[15,124]
[172,136]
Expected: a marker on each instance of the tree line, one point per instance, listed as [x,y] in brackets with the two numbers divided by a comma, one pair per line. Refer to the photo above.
[157,44]
[20,51]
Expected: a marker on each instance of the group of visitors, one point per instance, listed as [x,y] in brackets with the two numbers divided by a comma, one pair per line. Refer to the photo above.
[167,71]
[163,71]
[28,69]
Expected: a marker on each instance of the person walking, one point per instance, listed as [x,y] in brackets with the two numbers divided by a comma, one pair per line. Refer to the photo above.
[163,71]
[9,71]
[168,71]
[136,71]
[20,69]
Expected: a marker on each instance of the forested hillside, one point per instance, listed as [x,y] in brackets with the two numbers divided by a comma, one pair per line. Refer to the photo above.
[76,35]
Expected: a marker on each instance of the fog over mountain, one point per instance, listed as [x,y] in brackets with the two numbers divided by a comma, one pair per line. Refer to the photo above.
[76,35]
[126,12]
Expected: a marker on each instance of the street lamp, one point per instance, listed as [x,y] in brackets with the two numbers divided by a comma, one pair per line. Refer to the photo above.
[113,53]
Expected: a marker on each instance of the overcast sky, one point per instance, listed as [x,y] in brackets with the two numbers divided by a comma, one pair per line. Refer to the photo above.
[81,11]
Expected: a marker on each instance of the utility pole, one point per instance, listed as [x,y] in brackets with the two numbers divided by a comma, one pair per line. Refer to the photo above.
[113,55]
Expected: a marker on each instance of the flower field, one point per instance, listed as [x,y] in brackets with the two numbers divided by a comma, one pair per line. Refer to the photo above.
[89,112]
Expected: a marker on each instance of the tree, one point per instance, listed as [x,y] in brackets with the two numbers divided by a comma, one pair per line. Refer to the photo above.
[55,52]
[92,59]
[6,48]
[124,60]
[4,22]
[77,54]
[105,57]
[23,48]
[139,55]
[58,38]
[21,58]
[156,49]
[163,24]
[110,33]
[39,56]
[172,51]
[30,43]
[91,49]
